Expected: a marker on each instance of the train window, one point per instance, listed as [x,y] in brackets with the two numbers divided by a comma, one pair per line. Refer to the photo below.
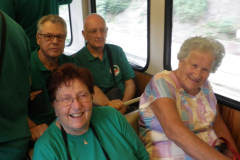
[217,19]
[127,22]
[64,13]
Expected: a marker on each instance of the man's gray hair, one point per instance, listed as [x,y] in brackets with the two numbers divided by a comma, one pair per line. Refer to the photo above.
[52,18]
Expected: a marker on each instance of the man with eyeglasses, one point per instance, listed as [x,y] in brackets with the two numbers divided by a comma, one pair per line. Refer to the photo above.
[51,35]
[98,57]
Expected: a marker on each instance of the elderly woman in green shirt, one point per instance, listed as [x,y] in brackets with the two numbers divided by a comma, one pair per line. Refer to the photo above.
[81,131]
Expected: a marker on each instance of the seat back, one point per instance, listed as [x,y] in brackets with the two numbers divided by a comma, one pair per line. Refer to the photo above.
[132,118]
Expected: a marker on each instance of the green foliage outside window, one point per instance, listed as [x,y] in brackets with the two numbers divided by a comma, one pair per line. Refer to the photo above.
[189,10]
[224,29]
[112,7]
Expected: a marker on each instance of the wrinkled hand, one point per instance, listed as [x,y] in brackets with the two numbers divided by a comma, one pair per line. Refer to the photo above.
[117,104]
[37,131]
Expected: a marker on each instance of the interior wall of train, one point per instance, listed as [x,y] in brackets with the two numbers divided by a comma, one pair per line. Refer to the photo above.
[152,31]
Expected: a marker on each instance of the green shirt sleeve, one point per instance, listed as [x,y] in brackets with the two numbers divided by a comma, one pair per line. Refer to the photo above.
[128,133]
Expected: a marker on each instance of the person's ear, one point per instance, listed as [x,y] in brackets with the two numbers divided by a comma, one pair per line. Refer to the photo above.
[84,34]
[38,39]
[106,31]
[181,64]
[56,114]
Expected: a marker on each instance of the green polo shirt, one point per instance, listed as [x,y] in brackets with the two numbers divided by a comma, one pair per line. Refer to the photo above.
[101,70]
[40,110]
[27,13]
[115,135]
[14,92]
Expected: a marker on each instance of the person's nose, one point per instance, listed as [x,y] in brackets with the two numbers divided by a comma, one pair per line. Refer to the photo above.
[198,74]
[76,104]
[99,33]
[54,40]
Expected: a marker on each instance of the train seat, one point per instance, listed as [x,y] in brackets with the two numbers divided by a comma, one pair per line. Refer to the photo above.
[132,118]
[30,153]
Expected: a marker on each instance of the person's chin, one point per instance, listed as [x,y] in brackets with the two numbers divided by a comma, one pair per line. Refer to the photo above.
[79,126]
[55,54]
[99,44]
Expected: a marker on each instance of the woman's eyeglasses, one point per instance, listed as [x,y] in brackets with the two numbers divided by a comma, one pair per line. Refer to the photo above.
[67,101]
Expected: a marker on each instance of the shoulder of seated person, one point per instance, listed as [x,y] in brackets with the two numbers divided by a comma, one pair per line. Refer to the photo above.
[105,110]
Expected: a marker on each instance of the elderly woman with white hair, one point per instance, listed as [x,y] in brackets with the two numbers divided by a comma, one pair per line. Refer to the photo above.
[179,116]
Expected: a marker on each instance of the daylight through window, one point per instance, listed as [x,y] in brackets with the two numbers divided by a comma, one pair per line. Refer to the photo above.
[127,27]
[64,13]
[217,19]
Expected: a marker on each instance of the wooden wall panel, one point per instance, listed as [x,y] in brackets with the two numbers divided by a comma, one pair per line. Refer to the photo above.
[141,80]
[230,116]
[232,119]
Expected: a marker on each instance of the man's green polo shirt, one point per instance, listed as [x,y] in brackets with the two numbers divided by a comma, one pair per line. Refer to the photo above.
[27,13]
[101,70]
[40,110]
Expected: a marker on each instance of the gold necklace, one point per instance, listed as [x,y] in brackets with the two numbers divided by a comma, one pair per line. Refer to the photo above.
[84,141]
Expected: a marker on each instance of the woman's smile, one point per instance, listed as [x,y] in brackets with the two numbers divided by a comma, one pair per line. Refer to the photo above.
[76,115]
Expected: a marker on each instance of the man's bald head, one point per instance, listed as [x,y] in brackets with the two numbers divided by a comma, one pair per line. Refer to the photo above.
[93,18]
[95,31]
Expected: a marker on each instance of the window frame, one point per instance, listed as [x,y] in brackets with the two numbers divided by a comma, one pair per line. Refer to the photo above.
[70,25]
[134,66]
